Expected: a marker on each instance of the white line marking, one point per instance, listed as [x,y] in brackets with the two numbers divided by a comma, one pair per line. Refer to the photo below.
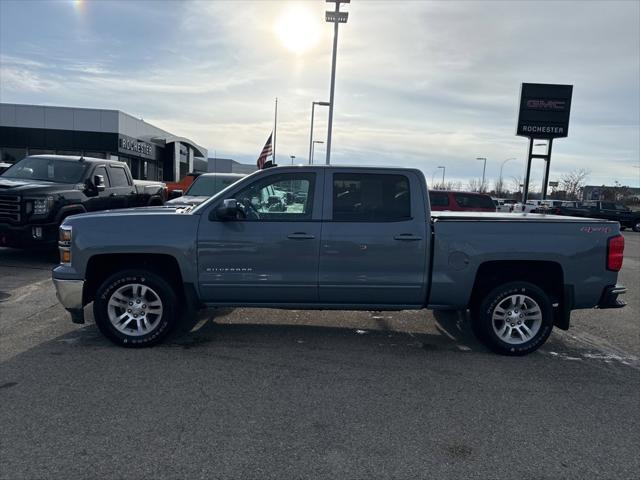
[199,325]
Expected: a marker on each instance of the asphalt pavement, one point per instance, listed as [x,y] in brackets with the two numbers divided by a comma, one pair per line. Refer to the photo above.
[274,394]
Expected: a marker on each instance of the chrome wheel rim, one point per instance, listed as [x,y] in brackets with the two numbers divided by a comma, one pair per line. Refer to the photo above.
[516,319]
[134,309]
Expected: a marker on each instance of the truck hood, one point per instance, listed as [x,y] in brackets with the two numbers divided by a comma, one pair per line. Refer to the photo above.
[187,200]
[135,212]
[20,186]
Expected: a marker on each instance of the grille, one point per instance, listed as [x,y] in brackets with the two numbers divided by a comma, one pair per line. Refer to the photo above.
[10,207]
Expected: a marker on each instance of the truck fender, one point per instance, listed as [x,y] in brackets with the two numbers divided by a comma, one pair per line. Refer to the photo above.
[69,210]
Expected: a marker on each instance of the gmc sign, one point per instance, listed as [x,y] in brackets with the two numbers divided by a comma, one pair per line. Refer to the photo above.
[544,110]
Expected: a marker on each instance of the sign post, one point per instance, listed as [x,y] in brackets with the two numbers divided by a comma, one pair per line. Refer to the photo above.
[544,115]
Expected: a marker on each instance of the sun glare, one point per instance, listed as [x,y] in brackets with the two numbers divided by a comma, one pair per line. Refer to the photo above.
[298,30]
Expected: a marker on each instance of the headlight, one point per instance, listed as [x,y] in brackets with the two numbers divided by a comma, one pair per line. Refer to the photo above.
[64,244]
[40,206]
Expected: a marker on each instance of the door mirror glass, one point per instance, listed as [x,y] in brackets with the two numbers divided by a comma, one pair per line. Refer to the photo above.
[98,182]
[175,194]
[228,210]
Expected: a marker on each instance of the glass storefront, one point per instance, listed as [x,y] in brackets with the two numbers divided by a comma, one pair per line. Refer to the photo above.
[12,155]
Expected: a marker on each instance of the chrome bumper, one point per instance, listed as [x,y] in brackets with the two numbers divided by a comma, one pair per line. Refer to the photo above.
[69,292]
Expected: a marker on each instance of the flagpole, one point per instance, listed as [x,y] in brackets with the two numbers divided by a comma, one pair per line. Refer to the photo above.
[275,129]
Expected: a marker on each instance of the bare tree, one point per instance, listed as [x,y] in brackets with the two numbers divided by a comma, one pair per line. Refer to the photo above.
[573,182]
[500,187]
[517,183]
[474,185]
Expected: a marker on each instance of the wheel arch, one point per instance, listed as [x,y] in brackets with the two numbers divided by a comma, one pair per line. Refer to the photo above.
[100,267]
[548,275]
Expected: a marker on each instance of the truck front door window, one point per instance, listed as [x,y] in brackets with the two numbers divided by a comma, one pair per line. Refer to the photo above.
[286,197]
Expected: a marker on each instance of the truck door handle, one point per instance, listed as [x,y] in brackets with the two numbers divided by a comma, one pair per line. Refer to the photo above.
[113,195]
[407,237]
[300,236]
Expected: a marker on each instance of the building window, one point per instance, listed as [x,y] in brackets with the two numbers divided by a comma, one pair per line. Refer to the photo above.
[41,151]
[13,155]
[95,154]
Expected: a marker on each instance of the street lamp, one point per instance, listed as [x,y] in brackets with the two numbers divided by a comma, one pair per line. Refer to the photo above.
[313,147]
[336,17]
[293,157]
[484,168]
[313,107]
[443,170]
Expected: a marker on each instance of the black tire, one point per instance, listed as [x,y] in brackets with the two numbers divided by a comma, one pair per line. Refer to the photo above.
[636,226]
[163,322]
[484,325]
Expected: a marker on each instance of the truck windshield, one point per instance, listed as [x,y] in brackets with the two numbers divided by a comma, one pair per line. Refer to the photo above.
[47,169]
[209,186]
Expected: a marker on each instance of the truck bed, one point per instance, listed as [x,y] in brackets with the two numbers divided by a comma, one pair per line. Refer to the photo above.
[510,217]
[465,240]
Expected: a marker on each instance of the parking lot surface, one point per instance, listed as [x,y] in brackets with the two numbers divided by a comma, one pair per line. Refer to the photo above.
[262,394]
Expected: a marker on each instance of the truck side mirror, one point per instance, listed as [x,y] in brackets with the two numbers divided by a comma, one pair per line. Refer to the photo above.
[98,182]
[228,210]
[175,194]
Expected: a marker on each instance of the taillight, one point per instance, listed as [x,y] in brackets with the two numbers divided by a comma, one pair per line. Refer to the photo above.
[615,253]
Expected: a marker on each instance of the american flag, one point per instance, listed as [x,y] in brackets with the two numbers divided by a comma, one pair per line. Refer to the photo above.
[266,151]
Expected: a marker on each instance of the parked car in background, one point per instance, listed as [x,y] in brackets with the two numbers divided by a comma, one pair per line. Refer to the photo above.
[528,207]
[4,166]
[363,239]
[503,204]
[205,186]
[40,191]
[445,200]
[182,185]
[604,210]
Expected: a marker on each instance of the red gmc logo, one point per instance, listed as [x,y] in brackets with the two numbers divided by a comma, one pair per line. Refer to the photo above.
[546,104]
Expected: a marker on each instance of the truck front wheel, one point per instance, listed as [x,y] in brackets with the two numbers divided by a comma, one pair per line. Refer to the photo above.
[135,308]
[515,318]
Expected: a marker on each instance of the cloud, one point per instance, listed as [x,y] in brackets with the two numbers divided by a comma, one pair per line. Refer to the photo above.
[418,83]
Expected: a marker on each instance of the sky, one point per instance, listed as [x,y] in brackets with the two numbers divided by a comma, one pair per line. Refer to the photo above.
[419,83]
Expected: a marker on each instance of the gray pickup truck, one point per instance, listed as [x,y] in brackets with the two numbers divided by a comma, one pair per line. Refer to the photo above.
[351,239]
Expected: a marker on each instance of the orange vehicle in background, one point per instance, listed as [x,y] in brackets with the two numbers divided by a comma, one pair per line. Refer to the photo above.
[183,184]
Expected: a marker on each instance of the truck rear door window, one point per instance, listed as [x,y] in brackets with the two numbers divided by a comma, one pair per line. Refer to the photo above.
[118,177]
[365,197]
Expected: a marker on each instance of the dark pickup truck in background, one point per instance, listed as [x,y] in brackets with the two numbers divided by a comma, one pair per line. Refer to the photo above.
[40,191]
[350,239]
[604,210]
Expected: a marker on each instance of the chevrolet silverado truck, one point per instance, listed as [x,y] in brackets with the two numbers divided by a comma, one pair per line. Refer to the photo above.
[39,192]
[352,239]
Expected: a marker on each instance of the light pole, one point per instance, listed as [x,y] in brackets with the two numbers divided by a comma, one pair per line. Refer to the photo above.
[443,170]
[336,17]
[293,157]
[313,107]
[484,169]
[313,147]
[501,167]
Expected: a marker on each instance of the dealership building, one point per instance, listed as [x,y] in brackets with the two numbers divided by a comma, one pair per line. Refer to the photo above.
[150,152]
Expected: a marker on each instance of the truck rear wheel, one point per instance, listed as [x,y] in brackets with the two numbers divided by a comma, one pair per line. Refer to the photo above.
[515,318]
[135,308]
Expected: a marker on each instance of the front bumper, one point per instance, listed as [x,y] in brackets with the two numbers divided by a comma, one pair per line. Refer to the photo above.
[610,299]
[69,293]
[28,236]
